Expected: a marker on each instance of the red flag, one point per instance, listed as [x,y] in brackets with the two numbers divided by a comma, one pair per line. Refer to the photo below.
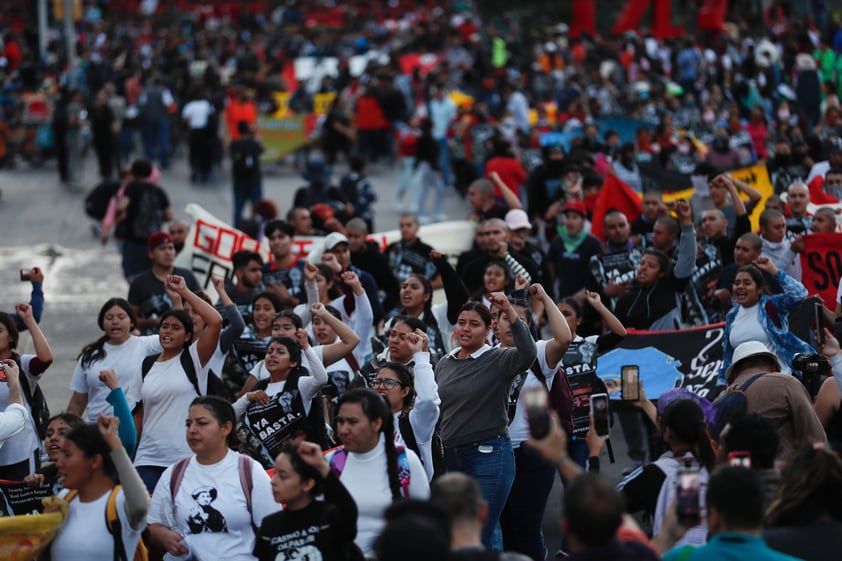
[817,194]
[614,195]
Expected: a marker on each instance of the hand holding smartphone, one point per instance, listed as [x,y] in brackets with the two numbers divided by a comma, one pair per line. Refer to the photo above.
[536,401]
[629,382]
[687,506]
[600,412]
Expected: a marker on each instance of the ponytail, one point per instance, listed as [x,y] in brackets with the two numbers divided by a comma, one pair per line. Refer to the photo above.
[93,352]
[391,453]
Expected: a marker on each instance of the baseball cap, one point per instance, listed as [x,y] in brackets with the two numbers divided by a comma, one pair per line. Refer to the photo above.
[158,238]
[575,205]
[517,219]
[333,239]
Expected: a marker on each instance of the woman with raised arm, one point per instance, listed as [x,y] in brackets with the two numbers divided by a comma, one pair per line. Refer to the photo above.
[172,382]
[20,455]
[474,380]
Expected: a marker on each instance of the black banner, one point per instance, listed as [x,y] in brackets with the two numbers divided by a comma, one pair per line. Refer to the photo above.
[17,498]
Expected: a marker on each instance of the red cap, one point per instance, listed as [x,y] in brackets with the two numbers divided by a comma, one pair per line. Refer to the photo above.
[158,238]
[575,205]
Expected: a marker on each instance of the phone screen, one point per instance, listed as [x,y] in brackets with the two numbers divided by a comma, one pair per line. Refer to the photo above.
[537,413]
[818,319]
[630,376]
[741,458]
[599,410]
[687,500]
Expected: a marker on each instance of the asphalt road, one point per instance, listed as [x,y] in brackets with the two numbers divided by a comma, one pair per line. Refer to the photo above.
[43,224]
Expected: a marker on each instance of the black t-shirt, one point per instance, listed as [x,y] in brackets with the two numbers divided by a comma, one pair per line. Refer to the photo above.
[321,530]
[148,294]
[145,213]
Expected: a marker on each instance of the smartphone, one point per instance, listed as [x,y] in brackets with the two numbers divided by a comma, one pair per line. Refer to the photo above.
[25,275]
[599,410]
[818,320]
[740,458]
[2,372]
[687,505]
[629,382]
[537,412]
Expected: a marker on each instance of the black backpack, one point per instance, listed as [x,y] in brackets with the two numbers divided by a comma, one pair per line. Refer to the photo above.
[731,406]
[408,435]
[215,384]
[36,400]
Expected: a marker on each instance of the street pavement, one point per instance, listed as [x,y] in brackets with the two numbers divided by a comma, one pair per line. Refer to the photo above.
[44,224]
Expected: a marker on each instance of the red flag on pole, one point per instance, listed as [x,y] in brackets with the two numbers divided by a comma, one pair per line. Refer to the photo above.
[817,194]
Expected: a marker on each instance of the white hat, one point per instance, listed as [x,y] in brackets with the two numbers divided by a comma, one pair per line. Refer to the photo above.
[333,239]
[750,349]
[517,219]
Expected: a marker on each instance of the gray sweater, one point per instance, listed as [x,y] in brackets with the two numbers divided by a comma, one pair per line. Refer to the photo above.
[475,391]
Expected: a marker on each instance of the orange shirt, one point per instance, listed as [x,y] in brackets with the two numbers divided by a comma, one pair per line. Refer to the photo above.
[236,112]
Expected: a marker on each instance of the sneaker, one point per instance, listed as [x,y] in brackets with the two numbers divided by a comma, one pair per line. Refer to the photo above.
[636,464]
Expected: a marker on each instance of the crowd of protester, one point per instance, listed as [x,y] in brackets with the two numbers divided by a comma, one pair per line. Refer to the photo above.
[394,427]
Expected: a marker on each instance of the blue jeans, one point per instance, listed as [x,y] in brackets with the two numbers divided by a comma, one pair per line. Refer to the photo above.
[444,162]
[156,136]
[524,513]
[425,180]
[251,191]
[150,476]
[492,464]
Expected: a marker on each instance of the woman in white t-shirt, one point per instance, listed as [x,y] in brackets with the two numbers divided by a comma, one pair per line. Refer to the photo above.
[116,350]
[166,391]
[210,502]
[524,510]
[91,461]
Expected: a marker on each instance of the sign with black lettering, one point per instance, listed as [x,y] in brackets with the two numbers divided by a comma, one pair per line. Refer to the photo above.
[821,266]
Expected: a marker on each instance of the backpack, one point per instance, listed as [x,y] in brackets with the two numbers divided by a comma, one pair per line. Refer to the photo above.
[38,406]
[148,218]
[243,467]
[115,528]
[340,456]
[215,385]
[99,199]
[731,406]
[408,435]
[561,395]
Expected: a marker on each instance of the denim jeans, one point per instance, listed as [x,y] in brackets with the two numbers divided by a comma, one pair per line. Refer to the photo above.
[245,191]
[492,464]
[444,162]
[156,136]
[405,174]
[150,476]
[425,180]
[524,513]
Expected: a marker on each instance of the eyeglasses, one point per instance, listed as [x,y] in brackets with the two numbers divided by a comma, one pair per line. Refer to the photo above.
[387,383]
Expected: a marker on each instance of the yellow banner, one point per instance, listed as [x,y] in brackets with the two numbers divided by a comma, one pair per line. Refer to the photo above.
[756,176]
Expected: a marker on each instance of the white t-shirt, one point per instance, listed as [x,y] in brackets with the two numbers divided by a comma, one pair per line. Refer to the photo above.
[197,112]
[21,446]
[124,359]
[519,427]
[747,327]
[166,394]
[367,480]
[211,511]
[84,535]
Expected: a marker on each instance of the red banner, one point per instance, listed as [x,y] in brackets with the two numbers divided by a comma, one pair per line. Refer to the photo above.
[821,266]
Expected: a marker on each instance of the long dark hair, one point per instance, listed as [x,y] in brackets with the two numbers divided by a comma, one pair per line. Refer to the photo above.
[375,407]
[9,323]
[686,419]
[223,412]
[428,304]
[811,488]
[756,276]
[88,439]
[95,351]
[294,351]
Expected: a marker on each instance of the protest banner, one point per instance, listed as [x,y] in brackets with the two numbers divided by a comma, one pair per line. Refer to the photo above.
[211,242]
[17,498]
[689,358]
[282,136]
[821,266]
